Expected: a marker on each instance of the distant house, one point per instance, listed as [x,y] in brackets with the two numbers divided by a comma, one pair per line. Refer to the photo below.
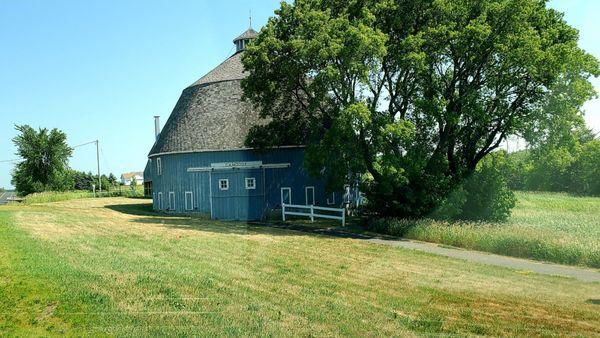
[127,178]
[200,164]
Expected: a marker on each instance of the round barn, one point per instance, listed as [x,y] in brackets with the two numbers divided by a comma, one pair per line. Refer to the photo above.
[199,163]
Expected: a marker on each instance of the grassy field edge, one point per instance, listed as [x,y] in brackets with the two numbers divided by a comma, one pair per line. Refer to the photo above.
[548,227]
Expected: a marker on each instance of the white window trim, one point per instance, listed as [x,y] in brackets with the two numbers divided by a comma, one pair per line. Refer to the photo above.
[306,195]
[160,201]
[191,207]
[331,201]
[290,194]
[226,180]
[250,179]
[171,207]
[158,166]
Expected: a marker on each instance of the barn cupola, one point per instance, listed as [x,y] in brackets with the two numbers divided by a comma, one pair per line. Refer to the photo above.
[244,39]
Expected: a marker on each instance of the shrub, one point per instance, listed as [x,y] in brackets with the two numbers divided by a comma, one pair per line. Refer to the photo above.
[485,196]
[453,206]
[586,170]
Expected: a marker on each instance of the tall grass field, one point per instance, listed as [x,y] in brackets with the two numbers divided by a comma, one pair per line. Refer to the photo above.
[543,226]
[112,267]
[57,196]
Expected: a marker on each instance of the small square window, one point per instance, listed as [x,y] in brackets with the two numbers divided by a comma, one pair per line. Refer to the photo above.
[250,183]
[224,184]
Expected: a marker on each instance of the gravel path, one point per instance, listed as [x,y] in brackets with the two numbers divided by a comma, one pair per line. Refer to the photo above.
[583,274]
[580,273]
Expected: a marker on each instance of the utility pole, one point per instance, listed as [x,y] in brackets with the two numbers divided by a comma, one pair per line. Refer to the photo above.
[98,162]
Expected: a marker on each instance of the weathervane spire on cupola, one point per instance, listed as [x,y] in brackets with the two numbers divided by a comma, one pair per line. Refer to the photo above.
[242,40]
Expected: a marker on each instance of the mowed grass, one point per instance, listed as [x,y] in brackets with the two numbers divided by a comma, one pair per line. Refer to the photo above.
[111,267]
[544,226]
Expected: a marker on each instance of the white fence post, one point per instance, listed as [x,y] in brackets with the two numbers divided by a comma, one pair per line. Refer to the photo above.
[283,211]
[310,212]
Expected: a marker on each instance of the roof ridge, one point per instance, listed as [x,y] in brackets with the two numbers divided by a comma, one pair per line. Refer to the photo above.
[250,33]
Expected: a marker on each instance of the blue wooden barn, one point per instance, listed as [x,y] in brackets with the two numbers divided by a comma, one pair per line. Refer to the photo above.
[199,163]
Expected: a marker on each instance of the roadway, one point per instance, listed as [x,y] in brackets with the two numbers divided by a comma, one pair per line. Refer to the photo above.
[5,195]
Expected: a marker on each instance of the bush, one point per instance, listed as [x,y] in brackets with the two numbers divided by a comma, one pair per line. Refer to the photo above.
[453,206]
[586,170]
[485,196]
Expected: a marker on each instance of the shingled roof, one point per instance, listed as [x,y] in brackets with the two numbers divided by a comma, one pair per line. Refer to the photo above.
[228,70]
[210,114]
[249,34]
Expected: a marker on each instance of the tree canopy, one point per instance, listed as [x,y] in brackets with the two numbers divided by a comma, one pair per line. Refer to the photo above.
[408,96]
[45,156]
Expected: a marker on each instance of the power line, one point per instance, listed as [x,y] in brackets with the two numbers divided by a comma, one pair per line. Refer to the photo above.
[10,161]
[77,146]
[83,144]
[97,159]
[108,166]
[19,159]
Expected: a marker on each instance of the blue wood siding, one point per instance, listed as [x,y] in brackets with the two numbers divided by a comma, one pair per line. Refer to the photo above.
[236,203]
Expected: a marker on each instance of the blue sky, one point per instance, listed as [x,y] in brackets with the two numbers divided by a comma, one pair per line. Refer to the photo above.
[101,69]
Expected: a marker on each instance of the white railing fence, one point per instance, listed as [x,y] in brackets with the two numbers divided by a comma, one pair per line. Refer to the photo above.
[311,212]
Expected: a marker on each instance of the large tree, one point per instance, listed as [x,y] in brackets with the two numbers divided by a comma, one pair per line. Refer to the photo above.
[44,160]
[406,96]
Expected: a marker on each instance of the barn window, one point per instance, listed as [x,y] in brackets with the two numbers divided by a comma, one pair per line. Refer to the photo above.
[309,193]
[158,166]
[224,184]
[189,201]
[286,195]
[331,199]
[159,202]
[171,200]
[250,183]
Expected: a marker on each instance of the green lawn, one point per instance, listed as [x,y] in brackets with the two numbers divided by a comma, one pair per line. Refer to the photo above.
[110,267]
[543,226]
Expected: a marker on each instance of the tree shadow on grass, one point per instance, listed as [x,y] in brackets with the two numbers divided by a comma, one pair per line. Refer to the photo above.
[135,209]
[195,222]
[275,228]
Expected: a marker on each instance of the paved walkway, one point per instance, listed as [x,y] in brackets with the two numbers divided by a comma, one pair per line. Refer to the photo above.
[586,275]
[583,274]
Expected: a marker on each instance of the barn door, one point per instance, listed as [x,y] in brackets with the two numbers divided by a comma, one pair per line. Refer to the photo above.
[237,195]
